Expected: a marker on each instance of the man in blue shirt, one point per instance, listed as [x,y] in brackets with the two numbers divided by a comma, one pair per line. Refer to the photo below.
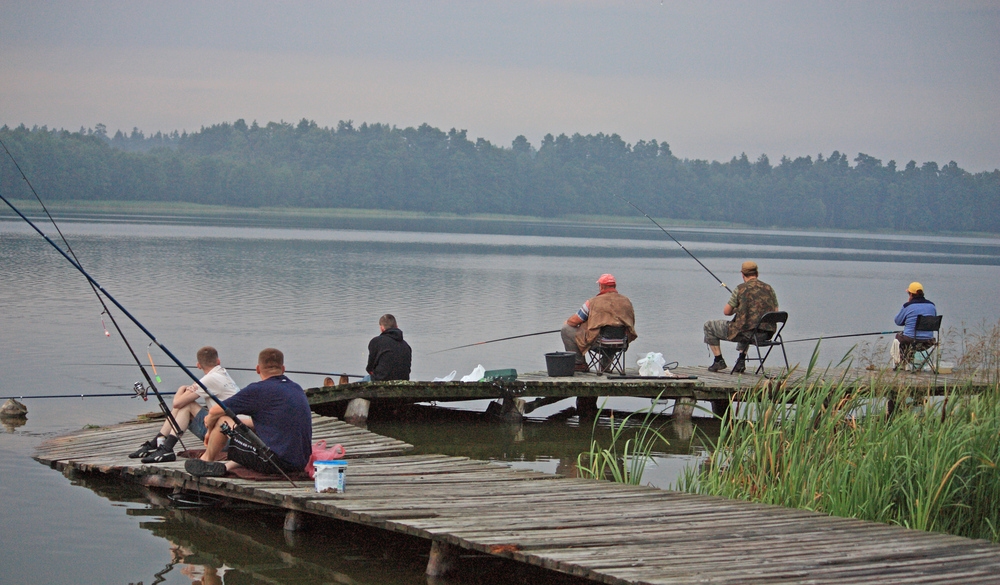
[279,414]
[908,339]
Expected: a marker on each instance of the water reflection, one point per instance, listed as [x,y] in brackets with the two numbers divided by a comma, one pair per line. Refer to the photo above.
[239,543]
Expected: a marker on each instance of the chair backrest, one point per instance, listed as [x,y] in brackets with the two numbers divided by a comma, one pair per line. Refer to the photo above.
[773,318]
[928,323]
[612,333]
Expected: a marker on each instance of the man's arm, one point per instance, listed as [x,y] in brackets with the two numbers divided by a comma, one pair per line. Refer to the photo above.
[214,414]
[728,310]
[185,395]
[574,321]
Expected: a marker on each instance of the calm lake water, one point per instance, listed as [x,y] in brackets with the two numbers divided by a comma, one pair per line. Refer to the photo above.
[317,292]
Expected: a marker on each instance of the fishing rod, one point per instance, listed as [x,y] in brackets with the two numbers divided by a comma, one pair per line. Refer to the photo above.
[496,340]
[675,240]
[241,370]
[837,336]
[133,395]
[241,427]
[138,389]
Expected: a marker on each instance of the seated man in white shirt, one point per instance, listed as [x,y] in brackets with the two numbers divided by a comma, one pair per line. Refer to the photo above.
[187,410]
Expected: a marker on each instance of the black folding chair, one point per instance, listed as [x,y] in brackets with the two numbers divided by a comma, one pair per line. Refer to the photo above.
[607,354]
[766,333]
[924,350]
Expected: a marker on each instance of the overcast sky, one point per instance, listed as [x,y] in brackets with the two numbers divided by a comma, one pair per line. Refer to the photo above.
[896,80]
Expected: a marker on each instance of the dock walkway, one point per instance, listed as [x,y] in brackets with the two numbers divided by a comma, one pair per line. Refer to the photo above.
[602,531]
[537,389]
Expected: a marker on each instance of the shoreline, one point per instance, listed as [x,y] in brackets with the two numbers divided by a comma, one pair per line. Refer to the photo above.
[270,214]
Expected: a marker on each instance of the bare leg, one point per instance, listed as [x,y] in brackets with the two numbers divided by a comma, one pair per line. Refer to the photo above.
[216,440]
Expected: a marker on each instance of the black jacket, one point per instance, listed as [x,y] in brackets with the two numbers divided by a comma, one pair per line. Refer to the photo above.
[389,356]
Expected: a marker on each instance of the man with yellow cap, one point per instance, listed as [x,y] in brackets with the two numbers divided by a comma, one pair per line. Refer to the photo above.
[905,340]
[748,302]
[609,307]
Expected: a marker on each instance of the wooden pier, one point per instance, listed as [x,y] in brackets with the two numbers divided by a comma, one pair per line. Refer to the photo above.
[533,390]
[601,531]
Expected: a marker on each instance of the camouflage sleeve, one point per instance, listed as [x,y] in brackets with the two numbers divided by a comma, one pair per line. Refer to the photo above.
[734,299]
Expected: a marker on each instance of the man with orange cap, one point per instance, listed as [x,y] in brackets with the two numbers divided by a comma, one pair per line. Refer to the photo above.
[609,307]
[905,340]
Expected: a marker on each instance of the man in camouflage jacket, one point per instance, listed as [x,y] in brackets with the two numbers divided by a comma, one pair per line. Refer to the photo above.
[748,302]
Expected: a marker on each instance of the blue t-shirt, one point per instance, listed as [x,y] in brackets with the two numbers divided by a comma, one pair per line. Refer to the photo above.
[281,417]
[907,317]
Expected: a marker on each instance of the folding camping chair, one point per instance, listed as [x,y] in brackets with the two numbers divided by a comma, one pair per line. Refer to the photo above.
[766,333]
[923,350]
[607,354]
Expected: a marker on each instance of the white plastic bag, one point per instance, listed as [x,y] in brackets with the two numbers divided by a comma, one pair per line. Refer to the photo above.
[447,378]
[652,365]
[476,375]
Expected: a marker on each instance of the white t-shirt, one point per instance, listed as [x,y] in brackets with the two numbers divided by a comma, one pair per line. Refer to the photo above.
[218,382]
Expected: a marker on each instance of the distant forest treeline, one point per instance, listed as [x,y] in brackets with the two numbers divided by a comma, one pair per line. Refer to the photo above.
[376,166]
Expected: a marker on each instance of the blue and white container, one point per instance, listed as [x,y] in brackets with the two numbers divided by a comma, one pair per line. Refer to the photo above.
[330,476]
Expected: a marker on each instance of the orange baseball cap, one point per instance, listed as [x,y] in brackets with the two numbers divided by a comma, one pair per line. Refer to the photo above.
[606,280]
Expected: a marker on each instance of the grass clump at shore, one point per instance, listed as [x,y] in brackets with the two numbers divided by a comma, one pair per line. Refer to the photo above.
[623,460]
[820,446]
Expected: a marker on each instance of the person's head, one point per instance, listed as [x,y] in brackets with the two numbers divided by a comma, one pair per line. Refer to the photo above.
[386,321]
[749,270]
[207,358]
[270,362]
[916,290]
[606,281]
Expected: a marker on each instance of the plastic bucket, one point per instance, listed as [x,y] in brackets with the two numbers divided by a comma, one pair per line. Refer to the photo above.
[560,363]
[330,476]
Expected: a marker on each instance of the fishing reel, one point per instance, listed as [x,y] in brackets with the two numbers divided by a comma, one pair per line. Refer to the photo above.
[140,390]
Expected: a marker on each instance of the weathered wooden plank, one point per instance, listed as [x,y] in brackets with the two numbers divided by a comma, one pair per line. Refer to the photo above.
[605,532]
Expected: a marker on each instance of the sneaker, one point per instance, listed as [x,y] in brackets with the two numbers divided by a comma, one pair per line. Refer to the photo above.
[718,365]
[161,455]
[146,448]
[199,468]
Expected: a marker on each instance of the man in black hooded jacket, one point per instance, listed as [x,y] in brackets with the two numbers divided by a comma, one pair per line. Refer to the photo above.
[389,356]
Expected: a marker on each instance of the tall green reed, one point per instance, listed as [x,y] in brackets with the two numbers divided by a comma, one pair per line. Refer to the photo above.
[624,459]
[829,446]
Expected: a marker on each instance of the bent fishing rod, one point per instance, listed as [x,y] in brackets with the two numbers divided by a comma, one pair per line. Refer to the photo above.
[244,370]
[138,386]
[722,284]
[241,427]
[838,336]
[495,340]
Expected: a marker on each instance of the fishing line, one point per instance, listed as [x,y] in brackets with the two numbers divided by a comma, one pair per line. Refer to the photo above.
[246,431]
[848,335]
[240,370]
[495,340]
[722,284]
[104,306]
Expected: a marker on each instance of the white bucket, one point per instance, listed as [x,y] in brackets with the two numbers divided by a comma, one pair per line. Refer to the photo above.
[330,476]
[946,367]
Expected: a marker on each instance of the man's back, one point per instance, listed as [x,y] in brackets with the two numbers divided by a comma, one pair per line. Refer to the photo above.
[281,417]
[754,299]
[389,356]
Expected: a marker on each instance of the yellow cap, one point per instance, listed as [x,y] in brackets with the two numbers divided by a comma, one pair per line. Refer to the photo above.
[914,288]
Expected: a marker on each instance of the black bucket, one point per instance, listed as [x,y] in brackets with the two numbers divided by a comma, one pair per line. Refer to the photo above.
[560,363]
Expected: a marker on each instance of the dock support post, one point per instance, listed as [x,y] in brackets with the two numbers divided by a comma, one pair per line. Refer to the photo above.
[683,409]
[586,406]
[513,409]
[357,412]
[294,521]
[442,559]
[719,407]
